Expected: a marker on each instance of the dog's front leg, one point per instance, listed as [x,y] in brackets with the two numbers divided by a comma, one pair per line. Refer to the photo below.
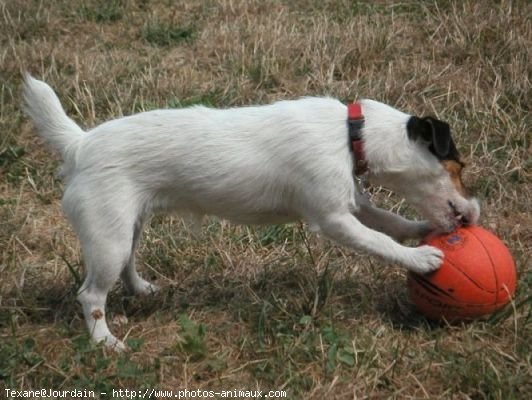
[345,229]
[389,223]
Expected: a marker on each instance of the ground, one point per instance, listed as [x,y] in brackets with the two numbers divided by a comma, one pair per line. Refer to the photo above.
[267,308]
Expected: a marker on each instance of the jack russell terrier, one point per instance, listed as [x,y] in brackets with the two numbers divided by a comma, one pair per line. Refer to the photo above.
[288,161]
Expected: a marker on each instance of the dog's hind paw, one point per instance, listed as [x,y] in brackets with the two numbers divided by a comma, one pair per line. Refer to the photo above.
[146,288]
[112,343]
[141,286]
[425,259]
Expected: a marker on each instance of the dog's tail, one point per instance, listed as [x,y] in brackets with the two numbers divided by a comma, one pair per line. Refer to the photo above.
[51,121]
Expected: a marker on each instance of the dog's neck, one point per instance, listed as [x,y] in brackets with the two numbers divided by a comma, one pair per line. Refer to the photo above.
[390,154]
[355,120]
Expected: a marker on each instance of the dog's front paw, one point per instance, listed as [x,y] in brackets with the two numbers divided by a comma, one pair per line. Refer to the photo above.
[425,259]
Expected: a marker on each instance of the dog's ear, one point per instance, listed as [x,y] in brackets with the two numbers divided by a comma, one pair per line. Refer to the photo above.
[435,133]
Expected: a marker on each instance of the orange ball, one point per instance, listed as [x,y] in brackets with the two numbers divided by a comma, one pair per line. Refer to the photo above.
[477,277]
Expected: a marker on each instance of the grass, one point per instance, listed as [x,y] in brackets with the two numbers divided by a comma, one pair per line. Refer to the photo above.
[102,11]
[273,308]
[163,35]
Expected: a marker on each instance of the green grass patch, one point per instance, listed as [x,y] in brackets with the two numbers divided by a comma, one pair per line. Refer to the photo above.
[102,11]
[162,34]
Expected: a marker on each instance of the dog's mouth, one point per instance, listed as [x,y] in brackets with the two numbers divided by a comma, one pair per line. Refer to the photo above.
[458,217]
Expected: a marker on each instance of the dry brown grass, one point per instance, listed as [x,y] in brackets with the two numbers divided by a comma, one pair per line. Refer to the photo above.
[279,308]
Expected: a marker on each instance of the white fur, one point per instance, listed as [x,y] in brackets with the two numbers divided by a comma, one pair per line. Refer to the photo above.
[267,164]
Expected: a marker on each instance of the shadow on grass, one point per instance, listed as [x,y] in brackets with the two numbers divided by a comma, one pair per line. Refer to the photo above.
[280,294]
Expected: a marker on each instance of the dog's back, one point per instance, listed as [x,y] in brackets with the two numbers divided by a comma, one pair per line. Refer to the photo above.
[198,159]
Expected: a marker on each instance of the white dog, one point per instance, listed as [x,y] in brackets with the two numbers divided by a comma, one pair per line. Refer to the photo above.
[291,160]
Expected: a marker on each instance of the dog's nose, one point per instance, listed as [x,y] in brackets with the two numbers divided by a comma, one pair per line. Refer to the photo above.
[462,219]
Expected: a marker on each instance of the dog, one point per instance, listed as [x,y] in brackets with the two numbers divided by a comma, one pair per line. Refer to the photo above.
[288,161]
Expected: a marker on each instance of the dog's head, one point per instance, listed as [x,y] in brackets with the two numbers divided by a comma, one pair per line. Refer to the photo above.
[424,166]
[442,196]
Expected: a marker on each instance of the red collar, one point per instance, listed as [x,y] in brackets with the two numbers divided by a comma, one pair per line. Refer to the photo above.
[355,121]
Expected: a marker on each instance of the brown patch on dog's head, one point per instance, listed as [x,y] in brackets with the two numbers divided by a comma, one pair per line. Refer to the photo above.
[454,168]
[97,314]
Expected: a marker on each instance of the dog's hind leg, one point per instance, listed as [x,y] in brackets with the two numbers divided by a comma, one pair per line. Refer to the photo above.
[345,229]
[105,231]
[104,260]
[131,278]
